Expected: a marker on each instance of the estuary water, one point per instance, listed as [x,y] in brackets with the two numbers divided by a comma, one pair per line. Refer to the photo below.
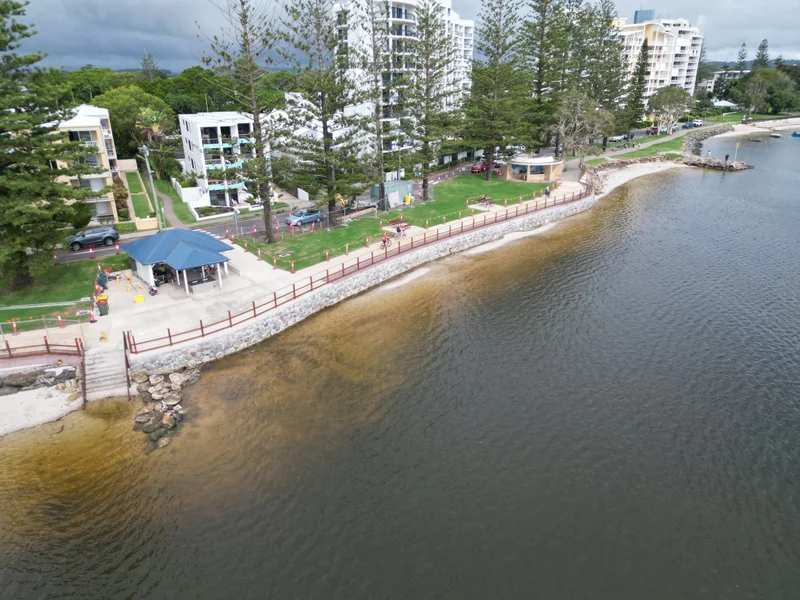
[609,409]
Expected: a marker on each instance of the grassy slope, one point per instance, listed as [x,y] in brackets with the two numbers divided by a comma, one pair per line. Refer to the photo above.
[180,208]
[668,146]
[309,248]
[59,283]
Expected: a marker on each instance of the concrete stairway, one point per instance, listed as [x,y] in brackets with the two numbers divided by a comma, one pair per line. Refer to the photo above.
[105,373]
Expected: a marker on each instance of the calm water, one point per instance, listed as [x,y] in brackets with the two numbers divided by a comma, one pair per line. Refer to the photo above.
[610,409]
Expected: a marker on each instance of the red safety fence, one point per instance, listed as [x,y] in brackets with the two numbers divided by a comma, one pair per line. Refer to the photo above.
[42,349]
[318,280]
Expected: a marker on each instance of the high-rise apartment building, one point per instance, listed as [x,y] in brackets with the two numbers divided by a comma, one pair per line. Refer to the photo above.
[640,16]
[402,17]
[213,142]
[674,52]
[91,126]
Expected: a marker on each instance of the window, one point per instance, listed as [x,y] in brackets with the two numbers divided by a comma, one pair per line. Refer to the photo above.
[80,136]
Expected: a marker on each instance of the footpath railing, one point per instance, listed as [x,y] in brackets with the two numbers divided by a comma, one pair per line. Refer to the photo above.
[43,349]
[318,280]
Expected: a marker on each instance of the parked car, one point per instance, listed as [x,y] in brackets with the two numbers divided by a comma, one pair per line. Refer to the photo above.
[617,138]
[662,129]
[687,125]
[653,130]
[499,163]
[675,128]
[478,168]
[93,236]
[304,216]
[697,122]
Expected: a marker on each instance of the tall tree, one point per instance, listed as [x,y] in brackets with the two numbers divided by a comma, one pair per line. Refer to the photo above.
[378,86]
[327,150]
[543,45]
[241,54]
[580,120]
[153,123]
[705,70]
[604,79]
[741,59]
[761,61]
[779,62]
[494,108]
[635,98]
[36,161]
[669,104]
[426,94]
[150,68]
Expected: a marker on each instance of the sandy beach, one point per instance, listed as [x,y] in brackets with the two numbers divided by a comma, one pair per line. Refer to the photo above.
[762,127]
[613,178]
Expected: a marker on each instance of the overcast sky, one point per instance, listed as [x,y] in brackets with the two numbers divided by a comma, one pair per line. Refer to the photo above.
[115,33]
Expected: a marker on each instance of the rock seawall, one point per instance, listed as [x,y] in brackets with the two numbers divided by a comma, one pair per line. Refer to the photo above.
[193,354]
[693,142]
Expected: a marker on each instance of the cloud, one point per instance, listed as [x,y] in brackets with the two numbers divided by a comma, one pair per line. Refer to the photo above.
[115,33]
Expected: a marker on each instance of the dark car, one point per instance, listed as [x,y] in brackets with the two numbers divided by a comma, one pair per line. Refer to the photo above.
[304,215]
[93,236]
[687,126]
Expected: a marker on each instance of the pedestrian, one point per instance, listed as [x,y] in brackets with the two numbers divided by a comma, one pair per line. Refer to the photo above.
[727,156]
[102,281]
[708,154]
[547,192]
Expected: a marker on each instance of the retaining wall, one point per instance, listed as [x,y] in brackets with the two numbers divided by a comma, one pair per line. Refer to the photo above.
[216,346]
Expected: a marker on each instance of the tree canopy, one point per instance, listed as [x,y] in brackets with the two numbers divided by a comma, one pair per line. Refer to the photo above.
[124,105]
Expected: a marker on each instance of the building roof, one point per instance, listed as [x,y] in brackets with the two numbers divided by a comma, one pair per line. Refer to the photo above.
[527,159]
[85,115]
[224,117]
[179,248]
[723,104]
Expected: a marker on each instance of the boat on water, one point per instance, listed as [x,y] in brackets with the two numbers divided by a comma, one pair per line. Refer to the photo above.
[796,134]
[775,135]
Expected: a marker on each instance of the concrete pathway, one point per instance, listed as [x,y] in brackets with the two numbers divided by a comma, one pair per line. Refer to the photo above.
[169,212]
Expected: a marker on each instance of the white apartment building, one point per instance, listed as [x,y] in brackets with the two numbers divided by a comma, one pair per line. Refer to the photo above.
[212,142]
[722,79]
[91,126]
[674,52]
[402,16]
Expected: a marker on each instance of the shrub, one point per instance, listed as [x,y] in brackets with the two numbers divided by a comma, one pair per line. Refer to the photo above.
[81,215]
[187,180]
[152,214]
[120,193]
[124,215]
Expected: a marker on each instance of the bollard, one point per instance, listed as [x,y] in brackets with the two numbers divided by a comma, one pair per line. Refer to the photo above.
[292,266]
[259,254]
[505,202]
[326,255]
[444,219]
[117,244]
[227,235]
[459,215]
[91,251]
[274,263]
[473,212]
[380,224]
[276,229]
[366,243]
[346,249]
[426,223]
[60,322]
[254,231]
[245,245]
[14,323]
[233,238]
[55,257]
[312,225]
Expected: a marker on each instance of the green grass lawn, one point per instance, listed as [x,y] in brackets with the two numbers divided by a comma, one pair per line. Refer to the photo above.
[597,161]
[309,248]
[668,146]
[180,208]
[64,282]
[133,183]
[140,205]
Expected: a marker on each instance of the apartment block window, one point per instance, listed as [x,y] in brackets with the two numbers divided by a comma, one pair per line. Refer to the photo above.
[104,124]
[80,136]
[243,129]
[90,184]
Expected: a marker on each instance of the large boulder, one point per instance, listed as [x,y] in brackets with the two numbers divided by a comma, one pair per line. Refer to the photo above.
[22,379]
[7,391]
[156,379]
[164,441]
[157,434]
[152,423]
[140,377]
[168,421]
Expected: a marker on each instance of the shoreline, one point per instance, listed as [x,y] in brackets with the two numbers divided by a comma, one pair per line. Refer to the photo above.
[762,127]
[614,177]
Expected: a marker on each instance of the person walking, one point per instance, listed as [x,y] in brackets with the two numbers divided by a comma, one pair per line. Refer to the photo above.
[547,192]
[727,156]
[708,154]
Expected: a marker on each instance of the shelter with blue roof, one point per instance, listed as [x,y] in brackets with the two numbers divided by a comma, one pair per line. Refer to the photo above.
[194,254]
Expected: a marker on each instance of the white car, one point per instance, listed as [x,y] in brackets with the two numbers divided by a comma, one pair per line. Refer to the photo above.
[617,138]
[697,122]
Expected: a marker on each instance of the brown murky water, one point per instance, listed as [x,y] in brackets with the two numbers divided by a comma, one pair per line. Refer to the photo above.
[607,409]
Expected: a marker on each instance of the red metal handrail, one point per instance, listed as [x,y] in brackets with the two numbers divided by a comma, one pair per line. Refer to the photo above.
[324,278]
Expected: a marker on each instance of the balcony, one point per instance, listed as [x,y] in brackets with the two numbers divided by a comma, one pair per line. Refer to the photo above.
[107,134]
[90,143]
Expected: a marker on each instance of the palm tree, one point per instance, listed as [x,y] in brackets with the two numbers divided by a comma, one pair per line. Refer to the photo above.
[153,123]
